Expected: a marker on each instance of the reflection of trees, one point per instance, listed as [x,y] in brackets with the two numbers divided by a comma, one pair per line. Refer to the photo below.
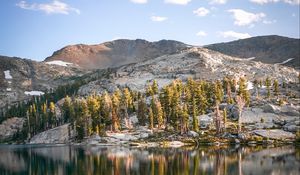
[152,161]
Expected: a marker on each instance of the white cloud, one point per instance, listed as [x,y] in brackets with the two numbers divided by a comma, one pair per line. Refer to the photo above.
[201,11]
[218,1]
[139,1]
[55,7]
[179,2]
[201,33]
[261,2]
[244,18]
[158,18]
[235,35]
[269,21]
[292,2]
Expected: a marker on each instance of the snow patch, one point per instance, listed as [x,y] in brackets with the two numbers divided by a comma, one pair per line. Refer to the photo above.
[34,93]
[288,60]
[249,86]
[59,63]
[249,59]
[7,74]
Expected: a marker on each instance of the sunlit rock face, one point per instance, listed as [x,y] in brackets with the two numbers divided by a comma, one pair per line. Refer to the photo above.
[61,134]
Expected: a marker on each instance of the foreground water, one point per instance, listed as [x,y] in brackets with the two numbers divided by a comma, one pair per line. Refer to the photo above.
[61,160]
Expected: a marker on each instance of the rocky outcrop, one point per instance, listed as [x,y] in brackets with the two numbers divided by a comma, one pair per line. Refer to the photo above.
[275,134]
[56,135]
[10,127]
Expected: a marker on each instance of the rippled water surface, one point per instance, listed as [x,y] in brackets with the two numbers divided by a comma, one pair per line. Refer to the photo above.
[63,160]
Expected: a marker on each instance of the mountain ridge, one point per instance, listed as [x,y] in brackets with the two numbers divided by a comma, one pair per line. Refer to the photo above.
[272,49]
[115,53]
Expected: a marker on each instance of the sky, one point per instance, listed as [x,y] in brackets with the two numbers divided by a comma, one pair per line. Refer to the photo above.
[34,29]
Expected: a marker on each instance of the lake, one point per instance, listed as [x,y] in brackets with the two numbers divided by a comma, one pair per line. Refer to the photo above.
[116,160]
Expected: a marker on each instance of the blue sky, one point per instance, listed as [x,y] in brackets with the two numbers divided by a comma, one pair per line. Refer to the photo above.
[36,28]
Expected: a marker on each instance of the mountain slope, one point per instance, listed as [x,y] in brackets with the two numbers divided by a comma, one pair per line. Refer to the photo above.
[19,75]
[115,53]
[199,63]
[267,49]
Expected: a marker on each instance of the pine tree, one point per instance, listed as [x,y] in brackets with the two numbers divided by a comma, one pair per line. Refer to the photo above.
[126,102]
[94,107]
[68,112]
[115,112]
[243,92]
[142,110]
[217,118]
[225,118]
[159,115]
[276,88]
[82,118]
[52,115]
[184,120]
[194,115]
[268,84]
[155,87]
[151,119]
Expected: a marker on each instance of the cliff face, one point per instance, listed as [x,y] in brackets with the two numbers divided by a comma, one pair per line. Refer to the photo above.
[115,53]
[267,49]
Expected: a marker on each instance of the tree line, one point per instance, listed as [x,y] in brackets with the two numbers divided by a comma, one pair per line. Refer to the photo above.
[175,106]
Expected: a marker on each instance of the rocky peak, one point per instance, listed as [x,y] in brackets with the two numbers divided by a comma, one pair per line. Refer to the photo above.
[115,53]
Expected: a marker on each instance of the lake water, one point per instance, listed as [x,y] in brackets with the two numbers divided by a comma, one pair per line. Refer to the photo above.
[61,160]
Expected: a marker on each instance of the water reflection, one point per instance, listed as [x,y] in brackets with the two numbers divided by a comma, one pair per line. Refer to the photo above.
[62,160]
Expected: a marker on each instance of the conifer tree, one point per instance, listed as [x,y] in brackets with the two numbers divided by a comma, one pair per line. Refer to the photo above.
[52,115]
[276,88]
[217,118]
[268,84]
[242,91]
[159,114]
[225,118]
[142,110]
[184,120]
[194,115]
[151,119]
[94,107]
[115,112]
[155,87]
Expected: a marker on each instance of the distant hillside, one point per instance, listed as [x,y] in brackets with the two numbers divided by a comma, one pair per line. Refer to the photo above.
[267,49]
[115,53]
[19,75]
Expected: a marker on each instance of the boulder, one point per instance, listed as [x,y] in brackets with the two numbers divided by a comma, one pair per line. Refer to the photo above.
[290,110]
[271,108]
[291,128]
[205,121]
[192,134]
[56,135]
[275,134]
